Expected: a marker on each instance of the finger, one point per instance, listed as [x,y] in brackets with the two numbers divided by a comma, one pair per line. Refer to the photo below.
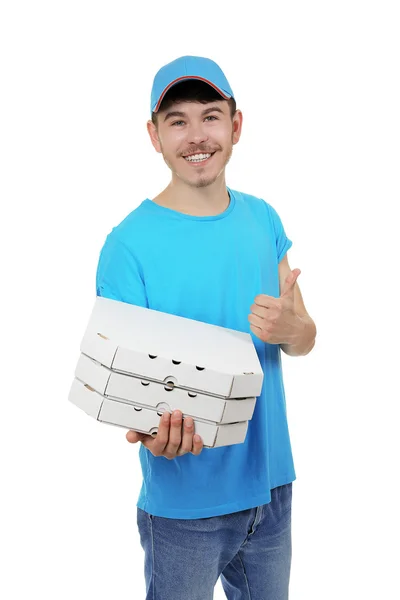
[266,301]
[187,438]
[175,433]
[157,445]
[256,321]
[134,436]
[290,282]
[257,331]
[197,445]
[260,311]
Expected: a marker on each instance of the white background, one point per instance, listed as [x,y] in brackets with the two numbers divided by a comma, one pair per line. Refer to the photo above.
[318,84]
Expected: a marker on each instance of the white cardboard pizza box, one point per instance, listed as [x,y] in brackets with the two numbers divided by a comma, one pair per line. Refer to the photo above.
[155,345]
[146,420]
[161,397]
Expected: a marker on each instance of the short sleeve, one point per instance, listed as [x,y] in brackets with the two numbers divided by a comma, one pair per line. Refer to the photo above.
[118,275]
[283,243]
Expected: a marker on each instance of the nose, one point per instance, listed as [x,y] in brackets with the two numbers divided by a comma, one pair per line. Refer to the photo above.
[196,134]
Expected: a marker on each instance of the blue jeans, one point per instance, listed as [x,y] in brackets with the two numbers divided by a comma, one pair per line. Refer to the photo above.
[250,550]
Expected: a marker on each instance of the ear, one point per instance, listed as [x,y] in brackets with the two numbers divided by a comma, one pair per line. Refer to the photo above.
[237,126]
[153,133]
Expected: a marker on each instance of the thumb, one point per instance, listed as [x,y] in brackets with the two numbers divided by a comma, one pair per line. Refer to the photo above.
[288,288]
[134,436]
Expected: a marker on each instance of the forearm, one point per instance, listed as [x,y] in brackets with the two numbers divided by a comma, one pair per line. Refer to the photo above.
[305,339]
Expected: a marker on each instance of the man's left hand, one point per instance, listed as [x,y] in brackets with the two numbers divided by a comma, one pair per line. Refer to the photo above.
[274,320]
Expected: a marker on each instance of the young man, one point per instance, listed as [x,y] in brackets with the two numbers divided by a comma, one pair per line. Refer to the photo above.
[204,251]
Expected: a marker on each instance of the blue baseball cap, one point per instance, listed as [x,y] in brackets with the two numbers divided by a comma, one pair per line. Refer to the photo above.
[188,67]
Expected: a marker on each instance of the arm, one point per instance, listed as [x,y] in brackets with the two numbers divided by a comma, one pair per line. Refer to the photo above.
[119,277]
[306,330]
[284,320]
[119,274]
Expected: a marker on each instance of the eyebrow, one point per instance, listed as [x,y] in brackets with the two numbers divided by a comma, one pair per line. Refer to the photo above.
[178,113]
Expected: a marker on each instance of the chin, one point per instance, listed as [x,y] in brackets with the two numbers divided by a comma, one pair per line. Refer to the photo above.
[204,182]
[198,182]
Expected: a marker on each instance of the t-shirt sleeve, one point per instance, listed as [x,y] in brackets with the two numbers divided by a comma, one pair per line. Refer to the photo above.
[119,275]
[283,243]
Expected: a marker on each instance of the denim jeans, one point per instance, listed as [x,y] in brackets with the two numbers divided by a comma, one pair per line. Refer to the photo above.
[250,550]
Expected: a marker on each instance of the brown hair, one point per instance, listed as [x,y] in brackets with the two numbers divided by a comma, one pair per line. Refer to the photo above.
[192,90]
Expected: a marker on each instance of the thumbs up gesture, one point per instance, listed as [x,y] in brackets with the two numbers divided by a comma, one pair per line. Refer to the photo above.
[274,320]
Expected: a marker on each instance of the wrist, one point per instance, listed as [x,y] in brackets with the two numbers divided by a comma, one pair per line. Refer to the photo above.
[303,338]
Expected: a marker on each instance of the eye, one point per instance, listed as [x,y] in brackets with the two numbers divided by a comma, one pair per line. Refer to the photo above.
[208,117]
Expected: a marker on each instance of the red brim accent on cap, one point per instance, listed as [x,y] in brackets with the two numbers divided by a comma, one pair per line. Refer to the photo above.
[188,77]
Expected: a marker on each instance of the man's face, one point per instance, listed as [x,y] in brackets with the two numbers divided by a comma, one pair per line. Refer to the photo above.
[187,129]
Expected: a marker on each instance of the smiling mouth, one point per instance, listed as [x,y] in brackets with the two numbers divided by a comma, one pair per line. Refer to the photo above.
[199,158]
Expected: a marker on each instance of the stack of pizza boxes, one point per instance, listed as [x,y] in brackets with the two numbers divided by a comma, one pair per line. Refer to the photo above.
[136,363]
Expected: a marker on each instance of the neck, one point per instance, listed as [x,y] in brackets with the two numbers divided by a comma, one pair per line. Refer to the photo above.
[205,201]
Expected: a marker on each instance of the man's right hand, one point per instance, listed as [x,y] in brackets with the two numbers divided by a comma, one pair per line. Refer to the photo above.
[169,441]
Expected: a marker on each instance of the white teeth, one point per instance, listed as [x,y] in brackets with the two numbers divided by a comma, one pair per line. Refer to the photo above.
[197,157]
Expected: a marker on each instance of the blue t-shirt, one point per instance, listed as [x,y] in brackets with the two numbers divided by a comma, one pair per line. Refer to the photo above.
[209,269]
